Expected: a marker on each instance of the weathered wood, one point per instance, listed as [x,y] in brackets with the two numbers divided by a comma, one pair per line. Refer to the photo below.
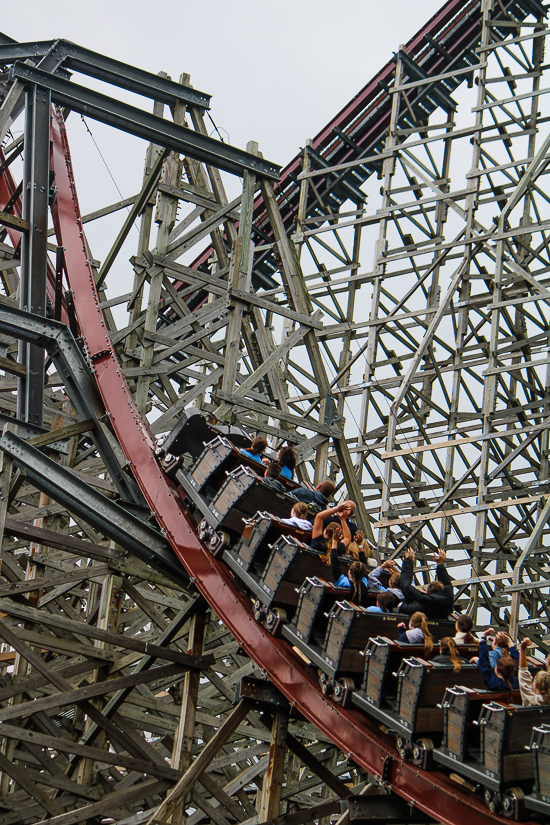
[13,222]
[63,432]
[200,764]
[239,278]
[273,779]
[138,206]
[22,779]
[58,540]
[71,697]
[317,767]
[117,640]
[148,788]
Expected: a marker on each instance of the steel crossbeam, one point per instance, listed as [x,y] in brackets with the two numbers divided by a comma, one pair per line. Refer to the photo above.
[32,297]
[143,124]
[56,54]
[80,498]
[58,341]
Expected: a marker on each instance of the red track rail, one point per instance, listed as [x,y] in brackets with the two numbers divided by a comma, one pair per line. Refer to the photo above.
[353,733]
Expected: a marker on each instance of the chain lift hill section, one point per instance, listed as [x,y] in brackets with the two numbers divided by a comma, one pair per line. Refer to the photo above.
[381,303]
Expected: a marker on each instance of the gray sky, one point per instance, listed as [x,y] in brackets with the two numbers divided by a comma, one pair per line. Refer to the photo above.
[277,72]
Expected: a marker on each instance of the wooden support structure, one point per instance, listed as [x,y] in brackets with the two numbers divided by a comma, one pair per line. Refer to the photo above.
[383,307]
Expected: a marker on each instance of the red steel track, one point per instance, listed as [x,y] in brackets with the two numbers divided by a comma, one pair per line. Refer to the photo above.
[353,733]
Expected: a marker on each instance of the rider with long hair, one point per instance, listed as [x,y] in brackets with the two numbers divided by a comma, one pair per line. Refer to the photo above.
[417,633]
[501,676]
[448,654]
[533,691]
[463,626]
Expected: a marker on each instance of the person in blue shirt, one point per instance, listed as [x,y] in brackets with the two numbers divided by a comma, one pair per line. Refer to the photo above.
[503,675]
[385,603]
[318,497]
[256,449]
[395,578]
[286,458]
[356,578]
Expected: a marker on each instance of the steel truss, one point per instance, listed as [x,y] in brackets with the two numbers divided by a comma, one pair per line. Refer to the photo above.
[434,401]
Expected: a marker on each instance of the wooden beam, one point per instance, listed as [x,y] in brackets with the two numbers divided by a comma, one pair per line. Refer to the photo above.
[193,773]
[13,222]
[273,779]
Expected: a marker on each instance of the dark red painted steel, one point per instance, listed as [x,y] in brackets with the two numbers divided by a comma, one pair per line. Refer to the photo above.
[352,733]
[7,189]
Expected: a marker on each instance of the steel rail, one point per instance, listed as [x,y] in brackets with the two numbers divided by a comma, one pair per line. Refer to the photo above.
[354,734]
[79,497]
[7,190]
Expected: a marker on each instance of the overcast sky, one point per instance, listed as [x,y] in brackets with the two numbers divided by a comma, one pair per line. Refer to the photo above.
[277,71]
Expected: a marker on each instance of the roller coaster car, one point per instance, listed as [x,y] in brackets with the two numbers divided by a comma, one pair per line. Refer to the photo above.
[260,533]
[506,768]
[461,708]
[383,659]
[349,630]
[316,598]
[193,431]
[350,627]
[242,495]
[539,799]
[219,457]
[417,709]
[289,563]
[209,468]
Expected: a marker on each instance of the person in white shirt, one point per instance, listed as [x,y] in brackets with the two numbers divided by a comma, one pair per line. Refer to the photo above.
[298,517]
[533,691]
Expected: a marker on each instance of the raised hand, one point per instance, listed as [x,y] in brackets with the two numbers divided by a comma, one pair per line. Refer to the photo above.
[359,537]
[440,556]
[409,554]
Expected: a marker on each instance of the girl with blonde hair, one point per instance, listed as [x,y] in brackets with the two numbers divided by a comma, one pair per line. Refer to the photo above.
[533,691]
[417,633]
[448,654]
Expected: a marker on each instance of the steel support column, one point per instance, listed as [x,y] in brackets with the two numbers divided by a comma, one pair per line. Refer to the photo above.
[30,401]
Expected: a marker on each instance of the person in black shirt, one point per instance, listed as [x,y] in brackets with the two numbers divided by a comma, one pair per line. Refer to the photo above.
[351,524]
[436,601]
[336,536]
[319,496]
